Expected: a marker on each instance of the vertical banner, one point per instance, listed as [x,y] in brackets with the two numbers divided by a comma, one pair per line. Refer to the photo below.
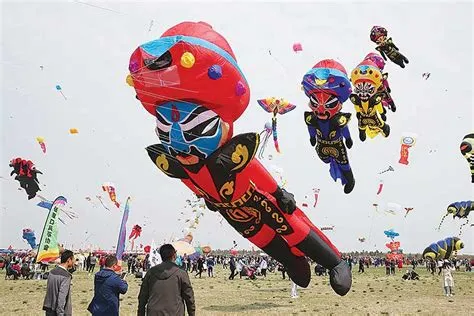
[48,249]
[123,231]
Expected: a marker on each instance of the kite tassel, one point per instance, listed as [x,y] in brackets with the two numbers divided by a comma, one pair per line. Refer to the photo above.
[263,145]
[275,134]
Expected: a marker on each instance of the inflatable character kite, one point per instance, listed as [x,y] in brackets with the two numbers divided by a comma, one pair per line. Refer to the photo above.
[384,88]
[190,81]
[327,88]
[459,210]
[395,252]
[367,80]
[467,150]
[391,233]
[443,249]
[27,174]
[386,47]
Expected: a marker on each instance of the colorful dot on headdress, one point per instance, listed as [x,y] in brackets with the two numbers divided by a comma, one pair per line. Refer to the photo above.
[187,60]
[240,89]
[133,66]
[214,72]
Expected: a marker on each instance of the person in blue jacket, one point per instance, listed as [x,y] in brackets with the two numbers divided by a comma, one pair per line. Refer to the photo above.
[107,287]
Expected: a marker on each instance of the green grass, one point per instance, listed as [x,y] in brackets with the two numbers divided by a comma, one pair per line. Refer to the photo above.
[372,293]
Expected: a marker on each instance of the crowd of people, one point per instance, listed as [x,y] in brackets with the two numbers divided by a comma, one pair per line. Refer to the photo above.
[166,287]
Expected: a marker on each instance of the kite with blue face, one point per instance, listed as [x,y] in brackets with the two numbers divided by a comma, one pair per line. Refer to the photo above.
[186,128]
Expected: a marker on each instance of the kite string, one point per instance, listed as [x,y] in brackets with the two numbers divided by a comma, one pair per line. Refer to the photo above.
[442,220]
[461,227]
[101,202]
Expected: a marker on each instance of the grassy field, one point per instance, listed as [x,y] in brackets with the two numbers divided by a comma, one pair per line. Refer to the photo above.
[372,293]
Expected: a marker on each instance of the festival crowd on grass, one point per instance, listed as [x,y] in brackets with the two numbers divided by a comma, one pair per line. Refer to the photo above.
[172,276]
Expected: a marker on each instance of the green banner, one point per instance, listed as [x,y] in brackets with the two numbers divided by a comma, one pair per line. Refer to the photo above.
[48,249]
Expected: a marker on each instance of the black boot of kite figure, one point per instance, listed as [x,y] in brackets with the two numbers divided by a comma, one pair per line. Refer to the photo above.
[362,135]
[393,107]
[350,184]
[401,60]
[386,130]
[298,268]
[340,275]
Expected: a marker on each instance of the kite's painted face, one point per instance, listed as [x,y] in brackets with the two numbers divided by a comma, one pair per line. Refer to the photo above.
[381,39]
[189,131]
[364,90]
[467,146]
[366,81]
[324,105]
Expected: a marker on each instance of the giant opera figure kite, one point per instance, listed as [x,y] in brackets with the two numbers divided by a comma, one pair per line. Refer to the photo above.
[190,81]
[384,88]
[367,99]
[328,87]
[386,46]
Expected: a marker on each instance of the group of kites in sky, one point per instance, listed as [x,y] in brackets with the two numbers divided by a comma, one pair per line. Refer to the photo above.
[190,81]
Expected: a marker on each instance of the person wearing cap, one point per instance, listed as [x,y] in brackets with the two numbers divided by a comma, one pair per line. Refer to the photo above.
[166,288]
[108,285]
[448,280]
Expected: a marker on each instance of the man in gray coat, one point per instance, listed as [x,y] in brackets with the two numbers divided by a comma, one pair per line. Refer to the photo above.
[57,301]
[166,288]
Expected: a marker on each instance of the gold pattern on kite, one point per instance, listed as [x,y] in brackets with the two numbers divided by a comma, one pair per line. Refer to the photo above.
[162,163]
[227,189]
[240,156]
